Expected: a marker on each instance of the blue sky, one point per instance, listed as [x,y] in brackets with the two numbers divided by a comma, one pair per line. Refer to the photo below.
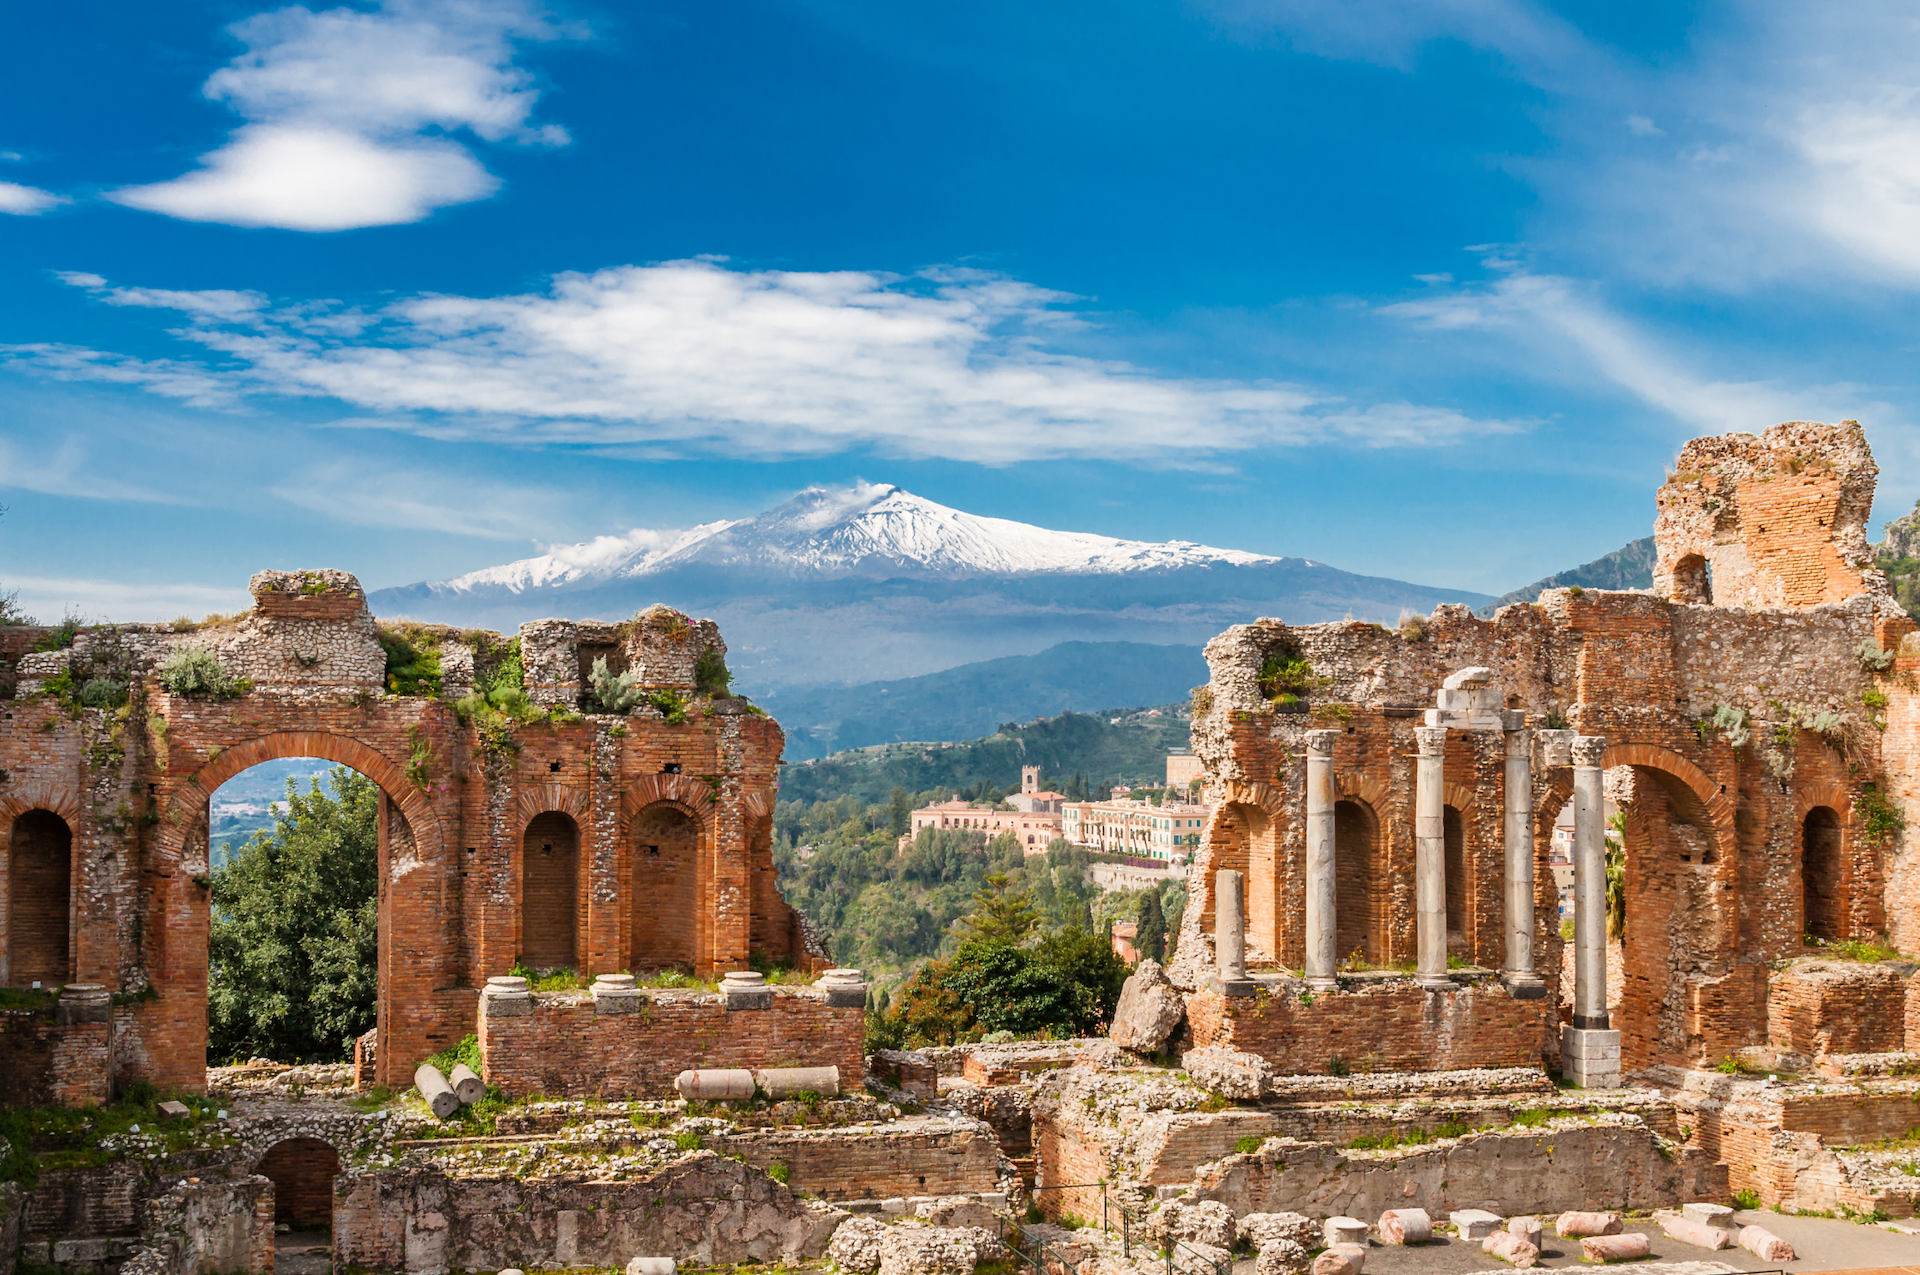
[1422,289]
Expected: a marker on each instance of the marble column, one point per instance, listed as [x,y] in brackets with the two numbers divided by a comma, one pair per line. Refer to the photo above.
[1590,1050]
[1230,932]
[1430,856]
[1321,954]
[1520,977]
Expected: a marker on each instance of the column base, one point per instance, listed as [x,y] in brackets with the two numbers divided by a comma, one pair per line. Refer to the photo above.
[1436,983]
[1232,986]
[1590,1057]
[1322,983]
[1525,986]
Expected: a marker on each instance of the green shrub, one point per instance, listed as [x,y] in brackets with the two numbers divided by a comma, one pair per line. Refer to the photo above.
[672,705]
[710,673]
[688,1141]
[1746,1198]
[1248,1145]
[1879,818]
[1338,1066]
[780,1171]
[195,672]
[467,1051]
[102,692]
[413,662]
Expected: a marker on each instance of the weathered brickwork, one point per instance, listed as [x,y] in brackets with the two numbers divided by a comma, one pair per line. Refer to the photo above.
[567,1048]
[465,814]
[1838,1007]
[1740,842]
[930,1158]
[1383,1027]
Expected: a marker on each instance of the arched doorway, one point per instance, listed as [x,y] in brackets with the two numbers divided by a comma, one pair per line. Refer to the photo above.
[1692,580]
[1458,887]
[550,891]
[1820,874]
[302,1171]
[1356,857]
[39,900]
[665,894]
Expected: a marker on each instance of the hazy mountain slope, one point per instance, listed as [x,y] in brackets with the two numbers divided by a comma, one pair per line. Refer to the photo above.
[842,586]
[974,699]
[1629,567]
[1117,745]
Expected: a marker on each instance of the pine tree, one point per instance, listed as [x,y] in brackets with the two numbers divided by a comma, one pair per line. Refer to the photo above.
[1000,912]
[1151,937]
[902,812]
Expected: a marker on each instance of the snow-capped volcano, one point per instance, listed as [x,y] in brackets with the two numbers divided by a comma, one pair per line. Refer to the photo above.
[870,581]
[869,530]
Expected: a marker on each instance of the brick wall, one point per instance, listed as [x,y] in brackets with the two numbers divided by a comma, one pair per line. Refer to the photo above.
[1838,1007]
[565,1048]
[39,896]
[1390,1026]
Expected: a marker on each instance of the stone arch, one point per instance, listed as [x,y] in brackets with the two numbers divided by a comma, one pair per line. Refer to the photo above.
[1459,886]
[39,900]
[1244,836]
[664,890]
[550,797]
[1691,581]
[1838,882]
[302,1171]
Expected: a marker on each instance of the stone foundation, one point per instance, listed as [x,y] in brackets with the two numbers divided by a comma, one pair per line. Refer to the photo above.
[563,1045]
[1378,1025]
[705,1210]
[1817,1007]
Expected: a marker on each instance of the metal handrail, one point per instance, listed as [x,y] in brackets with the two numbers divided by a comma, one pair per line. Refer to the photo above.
[1175,1245]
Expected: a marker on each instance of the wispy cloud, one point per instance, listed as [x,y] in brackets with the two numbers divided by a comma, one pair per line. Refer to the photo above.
[347,114]
[67,469]
[1548,310]
[26,201]
[690,357]
[415,500]
[47,598]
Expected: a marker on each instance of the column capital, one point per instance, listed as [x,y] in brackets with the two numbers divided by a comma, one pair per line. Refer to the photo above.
[1430,740]
[1589,750]
[1320,742]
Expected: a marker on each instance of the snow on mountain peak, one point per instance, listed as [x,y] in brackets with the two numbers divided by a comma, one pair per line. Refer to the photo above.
[863,528]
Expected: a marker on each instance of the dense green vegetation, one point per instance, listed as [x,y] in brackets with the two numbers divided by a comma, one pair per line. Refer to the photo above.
[1120,746]
[293,945]
[883,910]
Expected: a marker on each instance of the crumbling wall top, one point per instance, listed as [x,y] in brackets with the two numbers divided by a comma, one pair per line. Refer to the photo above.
[1774,520]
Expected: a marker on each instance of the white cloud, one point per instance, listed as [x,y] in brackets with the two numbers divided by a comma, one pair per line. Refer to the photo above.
[1641,126]
[346,114]
[26,201]
[689,357]
[1391,32]
[419,501]
[65,469]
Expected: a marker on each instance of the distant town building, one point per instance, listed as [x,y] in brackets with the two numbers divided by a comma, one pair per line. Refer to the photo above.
[1136,828]
[1030,798]
[1034,830]
[1124,933]
[1183,768]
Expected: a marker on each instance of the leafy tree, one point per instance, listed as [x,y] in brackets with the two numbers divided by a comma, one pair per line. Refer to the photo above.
[1084,964]
[901,812]
[1000,912]
[293,946]
[1151,938]
[1012,989]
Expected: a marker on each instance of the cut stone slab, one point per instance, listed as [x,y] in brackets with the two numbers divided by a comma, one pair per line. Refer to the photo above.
[1710,1215]
[1229,1072]
[1699,1234]
[1344,1230]
[1405,1226]
[652,1266]
[1150,1008]
[173,1111]
[1474,1224]
[1630,1247]
[1572,1225]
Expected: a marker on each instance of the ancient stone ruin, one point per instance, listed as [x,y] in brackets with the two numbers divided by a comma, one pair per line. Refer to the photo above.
[1356,1040]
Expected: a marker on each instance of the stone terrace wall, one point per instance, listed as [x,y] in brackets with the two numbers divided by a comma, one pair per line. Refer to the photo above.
[1607,1163]
[1384,1027]
[565,1048]
[704,1210]
[920,1157]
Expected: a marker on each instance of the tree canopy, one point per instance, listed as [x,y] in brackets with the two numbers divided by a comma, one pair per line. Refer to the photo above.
[292,953]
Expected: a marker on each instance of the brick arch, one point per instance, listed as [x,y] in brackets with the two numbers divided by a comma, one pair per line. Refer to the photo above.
[1823,792]
[54,798]
[551,796]
[688,794]
[186,807]
[1460,797]
[1271,798]
[1350,785]
[1835,797]
[1703,785]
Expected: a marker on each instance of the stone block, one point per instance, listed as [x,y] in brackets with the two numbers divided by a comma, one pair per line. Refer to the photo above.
[652,1266]
[1590,1057]
[173,1110]
[1344,1230]
[894,1205]
[1474,1224]
[1341,1259]
[1710,1215]
[1150,1009]
[1511,1249]
[1231,1073]
[845,988]
[1282,1257]
[1527,1228]
[745,989]
[1699,1234]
